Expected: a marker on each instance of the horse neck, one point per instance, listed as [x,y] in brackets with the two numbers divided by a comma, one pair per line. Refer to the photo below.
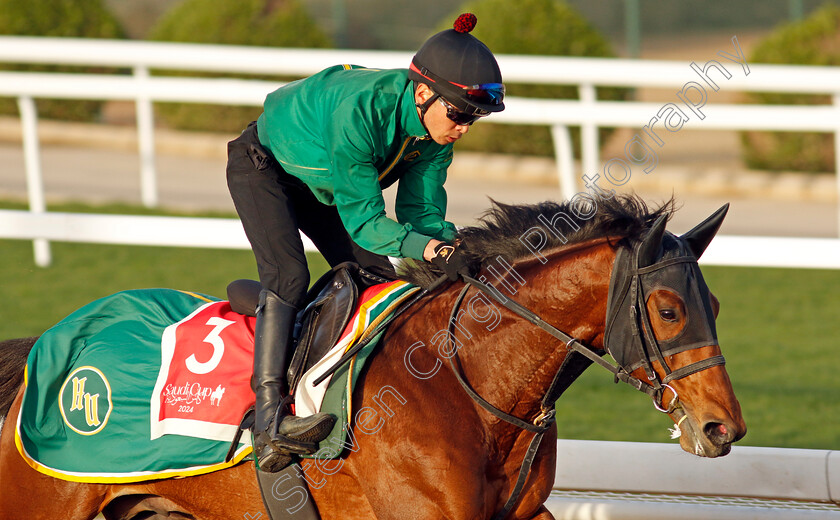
[513,364]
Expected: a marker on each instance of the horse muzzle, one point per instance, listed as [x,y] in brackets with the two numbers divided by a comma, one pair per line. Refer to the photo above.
[708,437]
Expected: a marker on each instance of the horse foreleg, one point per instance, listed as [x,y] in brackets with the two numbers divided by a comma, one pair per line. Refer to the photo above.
[26,493]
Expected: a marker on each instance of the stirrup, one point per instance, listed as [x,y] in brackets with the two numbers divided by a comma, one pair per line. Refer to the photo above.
[301,438]
[303,441]
[266,457]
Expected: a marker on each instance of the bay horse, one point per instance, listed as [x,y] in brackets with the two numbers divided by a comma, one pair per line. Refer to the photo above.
[612,280]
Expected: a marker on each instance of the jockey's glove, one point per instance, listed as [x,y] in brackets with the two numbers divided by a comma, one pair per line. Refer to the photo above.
[451,261]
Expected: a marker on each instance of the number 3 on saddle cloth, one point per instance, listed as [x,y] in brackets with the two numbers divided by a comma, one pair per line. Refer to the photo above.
[168,373]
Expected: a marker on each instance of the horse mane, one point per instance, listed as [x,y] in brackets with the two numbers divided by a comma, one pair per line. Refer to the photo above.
[501,227]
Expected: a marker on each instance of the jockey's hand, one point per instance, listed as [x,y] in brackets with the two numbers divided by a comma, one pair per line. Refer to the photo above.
[450,260]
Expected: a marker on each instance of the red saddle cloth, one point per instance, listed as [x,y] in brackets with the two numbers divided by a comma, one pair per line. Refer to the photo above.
[204,384]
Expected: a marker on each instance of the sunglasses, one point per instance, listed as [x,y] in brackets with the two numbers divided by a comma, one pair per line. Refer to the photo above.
[456,116]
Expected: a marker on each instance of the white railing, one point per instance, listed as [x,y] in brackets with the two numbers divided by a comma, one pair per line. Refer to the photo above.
[588,113]
[225,233]
[643,481]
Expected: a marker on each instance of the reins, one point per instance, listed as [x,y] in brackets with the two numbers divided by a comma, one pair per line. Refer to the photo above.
[571,343]
[539,426]
[546,417]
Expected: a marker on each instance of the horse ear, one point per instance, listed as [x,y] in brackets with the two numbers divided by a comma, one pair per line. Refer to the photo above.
[701,235]
[652,243]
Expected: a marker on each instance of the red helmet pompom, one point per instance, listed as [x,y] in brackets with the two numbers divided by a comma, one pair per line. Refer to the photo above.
[465,23]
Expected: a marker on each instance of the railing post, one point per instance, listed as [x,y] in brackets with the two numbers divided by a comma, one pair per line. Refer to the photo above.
[589,154]
[34,178]
[146,142]
[565,160]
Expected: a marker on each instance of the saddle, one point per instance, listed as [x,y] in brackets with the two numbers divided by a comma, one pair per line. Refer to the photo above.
[330,303]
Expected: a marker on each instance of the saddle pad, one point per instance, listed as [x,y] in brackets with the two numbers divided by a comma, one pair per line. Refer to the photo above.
[155,382]
[334,394]
[140,385]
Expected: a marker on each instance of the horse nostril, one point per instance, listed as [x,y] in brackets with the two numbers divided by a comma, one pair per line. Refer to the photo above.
[718,433]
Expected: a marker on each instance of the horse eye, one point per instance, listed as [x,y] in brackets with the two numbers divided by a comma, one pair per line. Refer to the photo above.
[668,314]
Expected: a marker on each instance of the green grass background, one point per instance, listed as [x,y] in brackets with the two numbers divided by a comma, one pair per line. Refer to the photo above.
[778,329]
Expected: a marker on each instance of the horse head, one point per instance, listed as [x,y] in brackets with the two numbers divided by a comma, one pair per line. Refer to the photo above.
[574,266]
[661,330]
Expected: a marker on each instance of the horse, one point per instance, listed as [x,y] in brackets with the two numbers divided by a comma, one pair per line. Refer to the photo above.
[217,395]
[454,373]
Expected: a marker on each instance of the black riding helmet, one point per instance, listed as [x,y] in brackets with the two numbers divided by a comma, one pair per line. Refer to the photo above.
[460,69]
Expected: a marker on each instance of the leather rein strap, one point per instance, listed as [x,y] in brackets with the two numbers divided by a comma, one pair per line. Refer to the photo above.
[571,343]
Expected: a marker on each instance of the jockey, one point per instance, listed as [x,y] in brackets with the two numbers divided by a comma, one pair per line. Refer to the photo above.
[317,160]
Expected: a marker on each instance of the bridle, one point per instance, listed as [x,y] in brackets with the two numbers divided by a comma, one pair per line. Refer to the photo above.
[626,306]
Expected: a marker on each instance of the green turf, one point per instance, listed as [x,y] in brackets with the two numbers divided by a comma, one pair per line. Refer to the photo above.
[778,329]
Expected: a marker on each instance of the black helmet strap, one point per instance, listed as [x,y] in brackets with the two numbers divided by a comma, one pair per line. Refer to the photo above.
[424,107]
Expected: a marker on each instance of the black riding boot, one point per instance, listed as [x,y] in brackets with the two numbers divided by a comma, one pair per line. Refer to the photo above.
[277,435]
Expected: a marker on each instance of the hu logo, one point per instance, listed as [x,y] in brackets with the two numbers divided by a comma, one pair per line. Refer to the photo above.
[85,400]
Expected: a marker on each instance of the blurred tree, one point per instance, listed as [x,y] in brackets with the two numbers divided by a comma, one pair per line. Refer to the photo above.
[813,41]
[380,24]
[138,16]
[542,27]
[268,23]
[59,18]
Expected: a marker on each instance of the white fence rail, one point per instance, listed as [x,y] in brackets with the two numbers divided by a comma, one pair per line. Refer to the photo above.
[597,480]
[224,233]
[647,481]
[694,85]
[602,481]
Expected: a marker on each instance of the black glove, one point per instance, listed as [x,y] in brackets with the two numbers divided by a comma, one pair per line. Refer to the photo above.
[451,261]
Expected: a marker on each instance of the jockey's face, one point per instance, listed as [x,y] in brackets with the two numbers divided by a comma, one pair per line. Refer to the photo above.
[441,129]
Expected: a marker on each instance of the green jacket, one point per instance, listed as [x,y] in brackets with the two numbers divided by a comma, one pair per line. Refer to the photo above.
[349,132]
